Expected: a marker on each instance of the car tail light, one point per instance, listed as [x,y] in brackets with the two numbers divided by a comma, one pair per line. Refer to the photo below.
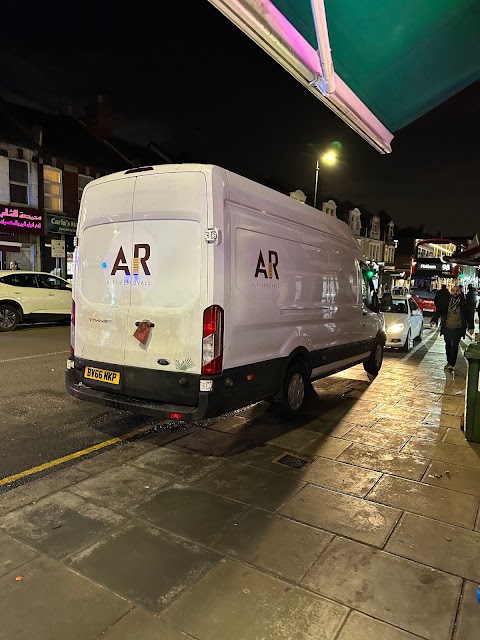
[212,348]
[72,331]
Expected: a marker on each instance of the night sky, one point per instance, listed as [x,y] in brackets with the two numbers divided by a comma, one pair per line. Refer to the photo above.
[191,81]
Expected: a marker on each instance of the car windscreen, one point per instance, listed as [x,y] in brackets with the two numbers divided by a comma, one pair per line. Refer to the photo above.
[395,306]
[426,295]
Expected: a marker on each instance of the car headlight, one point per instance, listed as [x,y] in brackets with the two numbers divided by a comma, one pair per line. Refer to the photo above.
[397,328]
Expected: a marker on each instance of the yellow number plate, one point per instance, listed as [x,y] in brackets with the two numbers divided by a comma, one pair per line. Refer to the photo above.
[113,377]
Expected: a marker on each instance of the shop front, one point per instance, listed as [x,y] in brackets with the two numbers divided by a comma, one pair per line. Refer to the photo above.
[20,231]
[57,245]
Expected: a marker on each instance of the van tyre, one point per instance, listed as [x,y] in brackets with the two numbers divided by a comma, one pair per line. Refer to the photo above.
[373,365]
[295,388]
[9,317]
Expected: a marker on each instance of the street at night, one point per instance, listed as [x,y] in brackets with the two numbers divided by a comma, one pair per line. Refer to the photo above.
[161,524]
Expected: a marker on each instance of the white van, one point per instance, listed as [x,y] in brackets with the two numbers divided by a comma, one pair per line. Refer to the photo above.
[246,294]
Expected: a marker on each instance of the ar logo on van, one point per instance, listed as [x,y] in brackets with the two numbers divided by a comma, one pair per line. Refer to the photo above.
[269,269]
[121,263]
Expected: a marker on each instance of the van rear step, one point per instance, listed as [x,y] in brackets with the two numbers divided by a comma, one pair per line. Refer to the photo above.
[135,405]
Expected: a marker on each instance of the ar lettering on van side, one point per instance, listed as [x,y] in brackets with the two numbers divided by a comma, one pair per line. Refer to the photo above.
[271,268]
[121,263]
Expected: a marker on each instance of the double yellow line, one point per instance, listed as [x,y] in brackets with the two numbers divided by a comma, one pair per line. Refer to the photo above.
[74,455]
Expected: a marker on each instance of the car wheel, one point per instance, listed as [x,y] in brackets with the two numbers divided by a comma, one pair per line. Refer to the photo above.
[408,342]
[373,365]
[291,399]
[9,317]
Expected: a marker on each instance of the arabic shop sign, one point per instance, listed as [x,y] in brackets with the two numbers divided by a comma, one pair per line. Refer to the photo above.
[25,219]
[61,224]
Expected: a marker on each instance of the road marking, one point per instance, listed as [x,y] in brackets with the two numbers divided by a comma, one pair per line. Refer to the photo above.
[38,355]
[73,456]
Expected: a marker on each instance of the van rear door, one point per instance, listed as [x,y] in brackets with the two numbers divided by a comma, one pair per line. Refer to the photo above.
[167,280]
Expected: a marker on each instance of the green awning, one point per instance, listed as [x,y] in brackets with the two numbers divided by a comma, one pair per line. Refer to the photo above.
[393,60]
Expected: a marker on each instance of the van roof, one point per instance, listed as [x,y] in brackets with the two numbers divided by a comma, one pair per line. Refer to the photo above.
[251,193]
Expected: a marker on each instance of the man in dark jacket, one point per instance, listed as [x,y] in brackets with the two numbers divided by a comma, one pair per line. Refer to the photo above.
[453,325]
[442,298]
[471,303]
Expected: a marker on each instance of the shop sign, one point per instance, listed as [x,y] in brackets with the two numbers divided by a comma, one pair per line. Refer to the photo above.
[58,248]
[61,224]
[23,220]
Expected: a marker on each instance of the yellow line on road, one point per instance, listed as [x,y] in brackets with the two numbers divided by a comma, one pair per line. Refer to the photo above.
[73,456]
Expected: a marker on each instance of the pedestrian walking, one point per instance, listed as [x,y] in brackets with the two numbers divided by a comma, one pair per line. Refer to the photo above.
[471,300]
[14,265]
[442,298]
[453,325]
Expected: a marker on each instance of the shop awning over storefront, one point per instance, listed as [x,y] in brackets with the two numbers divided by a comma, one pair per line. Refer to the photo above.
[378,64]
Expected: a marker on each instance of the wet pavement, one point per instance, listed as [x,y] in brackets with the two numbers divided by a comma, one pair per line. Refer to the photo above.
[203,533]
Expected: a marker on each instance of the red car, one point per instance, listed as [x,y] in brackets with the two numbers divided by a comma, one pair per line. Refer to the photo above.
[424,299]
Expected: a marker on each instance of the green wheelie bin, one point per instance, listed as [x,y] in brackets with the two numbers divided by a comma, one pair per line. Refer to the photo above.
[472,400]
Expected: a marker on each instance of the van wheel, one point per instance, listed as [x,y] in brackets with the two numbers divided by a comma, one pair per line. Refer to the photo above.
[9,317]
[373,365]
[291,400]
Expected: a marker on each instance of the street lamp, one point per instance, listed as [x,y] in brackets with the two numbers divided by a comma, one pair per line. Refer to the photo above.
[330,159]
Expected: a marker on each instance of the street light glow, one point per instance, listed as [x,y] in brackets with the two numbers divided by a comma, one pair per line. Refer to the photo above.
[329,158]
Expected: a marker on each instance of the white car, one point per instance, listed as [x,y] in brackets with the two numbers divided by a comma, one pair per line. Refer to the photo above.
[29,296]
[403,321]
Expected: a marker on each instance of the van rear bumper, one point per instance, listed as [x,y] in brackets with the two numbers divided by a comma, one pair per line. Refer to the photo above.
[135,405]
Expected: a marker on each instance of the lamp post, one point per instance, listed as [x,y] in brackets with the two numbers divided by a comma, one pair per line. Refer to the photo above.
[330,159]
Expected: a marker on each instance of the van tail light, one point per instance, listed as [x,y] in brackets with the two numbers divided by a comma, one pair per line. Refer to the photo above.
[212,351]
[72,331]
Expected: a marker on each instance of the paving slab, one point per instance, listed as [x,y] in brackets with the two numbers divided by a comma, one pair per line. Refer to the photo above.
[399,464]
[121,487]
[191,512]
[400,413]
[468,623]
[339,476]
[342,514]
[281,546]
[362,627]
[115,457]
[409,427]
[456,436]
[249,485]
[450,421]
[294,440]
[60,524]
[326,447]
[240,603]
[141,625]
[13,554]
[437,544]
[433,502]
[477,526]
[262,457]
[212,443]
[38,488]
[462,479]
[233,424]
[405,594]
[354,416]
[144,564]
[377,438]
[52,602]
[444,452]
[328,427]
[182,466]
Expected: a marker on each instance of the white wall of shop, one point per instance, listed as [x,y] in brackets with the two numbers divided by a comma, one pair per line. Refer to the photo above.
[27,155]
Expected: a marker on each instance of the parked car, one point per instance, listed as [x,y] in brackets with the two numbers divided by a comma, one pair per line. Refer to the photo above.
[403,322]
[424,299]
[198,291]
[29,296]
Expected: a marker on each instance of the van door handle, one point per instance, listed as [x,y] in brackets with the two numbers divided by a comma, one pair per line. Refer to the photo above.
[137,324]
[50,294]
